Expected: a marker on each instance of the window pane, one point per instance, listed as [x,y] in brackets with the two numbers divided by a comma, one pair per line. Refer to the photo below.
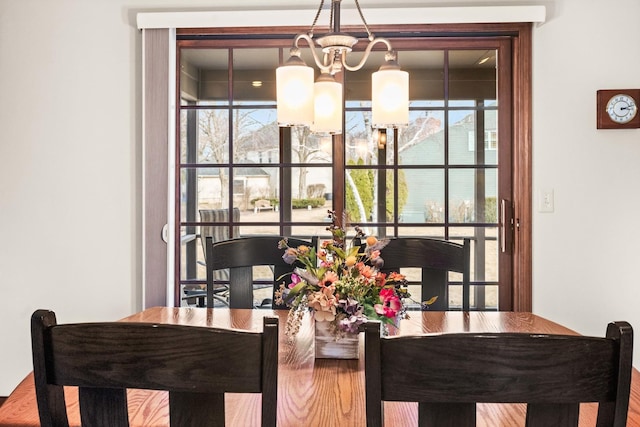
[310,148]
[311,190]
[254,76]
[425,196]
[259,230]
[422,142]
[204,75]
[255,192]
[204,136]
[472,76]
[359,145]
[434,232]
[256,137]
[211,188]
[426,76]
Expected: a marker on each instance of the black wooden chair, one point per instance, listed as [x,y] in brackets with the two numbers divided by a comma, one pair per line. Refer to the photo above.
[214,226]
[436,258]
[240,256]
[449,373]
[104,359]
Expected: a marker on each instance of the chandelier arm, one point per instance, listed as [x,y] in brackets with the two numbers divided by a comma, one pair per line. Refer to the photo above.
[316,58]
[367,52]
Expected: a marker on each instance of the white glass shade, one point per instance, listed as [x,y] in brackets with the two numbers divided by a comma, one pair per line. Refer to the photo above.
[294,95]
[327,106]
[389,98]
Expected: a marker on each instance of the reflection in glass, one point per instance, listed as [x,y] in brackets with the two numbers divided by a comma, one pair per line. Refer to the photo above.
[256,138]
[204,136]
[311,193]
[203,75]
[253,76]
[307,147]
[359,145]
[362,188]
[211,189]
[425,196]
[469,200]
[422,142]
[472,76]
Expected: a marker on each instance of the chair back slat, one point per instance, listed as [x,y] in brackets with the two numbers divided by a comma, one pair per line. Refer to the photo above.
[196,409]
[195,364]
[551,373]
[103,406]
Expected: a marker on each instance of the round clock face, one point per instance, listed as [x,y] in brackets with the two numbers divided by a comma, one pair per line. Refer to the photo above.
[622,108]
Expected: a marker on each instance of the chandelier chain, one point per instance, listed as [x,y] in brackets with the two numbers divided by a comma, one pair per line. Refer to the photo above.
[315,20]
[364,21]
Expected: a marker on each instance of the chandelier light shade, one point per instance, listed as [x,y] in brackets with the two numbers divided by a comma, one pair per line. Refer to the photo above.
[389,97]
[294,93]
[320,106]
[327,114]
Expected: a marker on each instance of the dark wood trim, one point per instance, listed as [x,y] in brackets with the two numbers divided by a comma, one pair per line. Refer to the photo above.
[2,399]
[519,298]
[522,174]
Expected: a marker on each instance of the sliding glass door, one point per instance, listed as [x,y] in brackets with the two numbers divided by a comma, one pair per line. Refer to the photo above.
[447,175]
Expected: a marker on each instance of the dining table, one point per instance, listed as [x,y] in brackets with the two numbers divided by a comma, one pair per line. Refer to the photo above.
[315,392]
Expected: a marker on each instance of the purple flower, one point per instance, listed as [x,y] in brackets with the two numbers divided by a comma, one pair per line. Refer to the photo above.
[351,307]
[351,324]
[290,256]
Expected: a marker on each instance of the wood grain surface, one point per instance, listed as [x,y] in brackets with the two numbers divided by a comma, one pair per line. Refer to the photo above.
[312,392]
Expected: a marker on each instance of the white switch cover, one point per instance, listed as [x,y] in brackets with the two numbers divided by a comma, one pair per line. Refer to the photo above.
[545,200]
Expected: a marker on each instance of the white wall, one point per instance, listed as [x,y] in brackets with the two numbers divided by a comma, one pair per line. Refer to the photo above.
[70,148]
[585,253]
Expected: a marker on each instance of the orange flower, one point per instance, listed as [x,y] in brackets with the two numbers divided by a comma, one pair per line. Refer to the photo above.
[371,240]
[396,277]
[350,261]
[366,271]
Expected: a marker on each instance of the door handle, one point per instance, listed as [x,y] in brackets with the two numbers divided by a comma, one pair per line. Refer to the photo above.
[164,233]
[506,226]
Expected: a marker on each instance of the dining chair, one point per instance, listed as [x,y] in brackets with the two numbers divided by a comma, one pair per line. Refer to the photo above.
[240,256]
[447,374]
[213,226]
[105,359]
[436,258]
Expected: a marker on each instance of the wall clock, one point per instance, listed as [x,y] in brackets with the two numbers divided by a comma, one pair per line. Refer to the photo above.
[618,109]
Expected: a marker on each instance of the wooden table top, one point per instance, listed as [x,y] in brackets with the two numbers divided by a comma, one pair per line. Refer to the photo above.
[312,392]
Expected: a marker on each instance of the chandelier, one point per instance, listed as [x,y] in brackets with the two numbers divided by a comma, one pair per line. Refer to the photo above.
[319,105]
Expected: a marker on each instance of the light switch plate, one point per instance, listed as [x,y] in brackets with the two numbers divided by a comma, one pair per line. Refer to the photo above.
[545,200]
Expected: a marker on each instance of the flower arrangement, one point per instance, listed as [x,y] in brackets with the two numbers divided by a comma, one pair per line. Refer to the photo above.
[341,285]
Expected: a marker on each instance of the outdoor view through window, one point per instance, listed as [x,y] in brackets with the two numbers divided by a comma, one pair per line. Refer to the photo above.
[238,174]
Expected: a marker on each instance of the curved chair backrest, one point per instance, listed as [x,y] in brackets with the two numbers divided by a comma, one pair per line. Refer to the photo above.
[104,359]
[436,258]
[239,256]
[449,373]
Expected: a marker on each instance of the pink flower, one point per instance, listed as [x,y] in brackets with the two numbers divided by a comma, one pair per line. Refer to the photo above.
[295,279]
[390,303]
[330,277]
[323,302]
